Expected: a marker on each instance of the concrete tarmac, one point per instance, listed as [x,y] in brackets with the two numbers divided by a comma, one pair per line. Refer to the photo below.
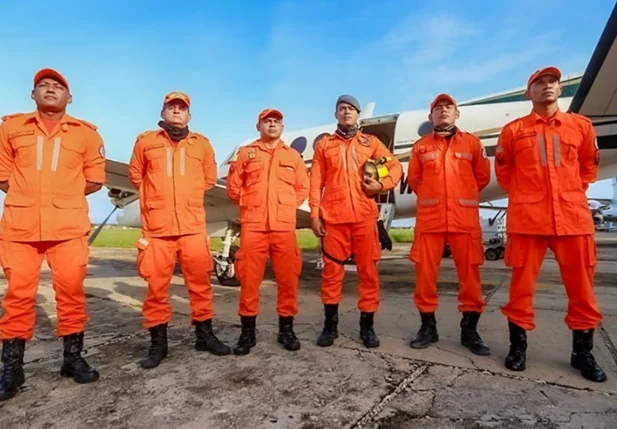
[344,386]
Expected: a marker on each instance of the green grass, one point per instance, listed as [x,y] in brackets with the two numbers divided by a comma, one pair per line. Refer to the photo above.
[117,237]
[403,235]
[125,238]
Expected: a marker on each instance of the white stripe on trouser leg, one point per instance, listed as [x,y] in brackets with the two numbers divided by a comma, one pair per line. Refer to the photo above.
[56,154]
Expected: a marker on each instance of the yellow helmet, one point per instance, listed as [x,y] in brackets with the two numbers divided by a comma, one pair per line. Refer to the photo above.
[376,169]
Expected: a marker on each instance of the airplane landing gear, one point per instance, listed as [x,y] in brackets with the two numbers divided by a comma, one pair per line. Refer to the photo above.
[224,260]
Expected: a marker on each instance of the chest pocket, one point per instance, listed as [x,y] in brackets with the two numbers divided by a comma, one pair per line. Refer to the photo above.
[67,153]
[463,163]
[287,172]
[529,148]
[194,157]
[156,157]
[363,153]
[334,157]
[430,158]
[566,150]
[253,171]
[26,151]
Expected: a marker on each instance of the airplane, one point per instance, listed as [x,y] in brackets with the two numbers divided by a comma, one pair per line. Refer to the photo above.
[596,98]
[604,211]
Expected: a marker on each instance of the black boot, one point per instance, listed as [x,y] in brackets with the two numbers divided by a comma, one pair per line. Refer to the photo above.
[515,360]
[12,372]
[287,336]
[247,338]
[330,327]
[74,365]
[427,333]
[207,341]
[469,334]
[582,359]
[158,347]
[367,334]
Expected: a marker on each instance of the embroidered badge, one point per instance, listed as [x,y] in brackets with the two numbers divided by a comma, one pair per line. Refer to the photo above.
[102,151]
[251,153]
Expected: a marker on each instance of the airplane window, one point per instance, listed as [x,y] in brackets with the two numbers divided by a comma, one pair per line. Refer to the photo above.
[319,137]
[425,128]
[299,144]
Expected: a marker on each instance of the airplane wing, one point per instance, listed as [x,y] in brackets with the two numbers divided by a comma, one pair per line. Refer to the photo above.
[219,207]
[596,96]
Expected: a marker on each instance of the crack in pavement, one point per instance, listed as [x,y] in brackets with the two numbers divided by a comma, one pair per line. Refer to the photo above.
[481,370]
[378,408]
[608,342]
[490,294]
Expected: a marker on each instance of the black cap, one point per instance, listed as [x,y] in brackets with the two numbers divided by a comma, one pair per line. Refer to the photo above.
[349,99]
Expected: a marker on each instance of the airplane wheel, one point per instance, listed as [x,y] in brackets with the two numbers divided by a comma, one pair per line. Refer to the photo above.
[501,251]
[491,254]
[227,276]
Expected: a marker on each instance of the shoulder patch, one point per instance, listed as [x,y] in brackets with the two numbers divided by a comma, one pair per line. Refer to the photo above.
[88,124]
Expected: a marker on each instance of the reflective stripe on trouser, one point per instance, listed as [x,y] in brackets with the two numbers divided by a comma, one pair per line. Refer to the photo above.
[251,264]
[342,240]
[156,262]
[21,262]
[576,256]
[467,252]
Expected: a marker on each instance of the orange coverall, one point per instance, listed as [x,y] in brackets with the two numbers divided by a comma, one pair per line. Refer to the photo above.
[269,186]
[448,178]
[172,179]
[349,215]
[46,215]
[545,166]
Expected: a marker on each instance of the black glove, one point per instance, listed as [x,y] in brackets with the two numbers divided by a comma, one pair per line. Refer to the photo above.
[384,237]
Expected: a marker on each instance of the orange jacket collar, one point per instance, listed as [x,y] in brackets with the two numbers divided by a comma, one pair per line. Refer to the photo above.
[261,145]
[557,117]
[36,116]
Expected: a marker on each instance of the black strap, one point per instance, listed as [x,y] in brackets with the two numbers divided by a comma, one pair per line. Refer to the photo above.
[347,261]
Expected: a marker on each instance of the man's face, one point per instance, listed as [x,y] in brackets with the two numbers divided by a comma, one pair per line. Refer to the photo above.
[346,114]
[444,114]
[270,128]
[545,90]
[50,95]
[176,113]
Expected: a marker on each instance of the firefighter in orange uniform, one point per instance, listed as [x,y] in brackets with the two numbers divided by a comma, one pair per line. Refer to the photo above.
[545,161]
[49,162]
[269,181]
[344,215]
[448,169]
[173,167]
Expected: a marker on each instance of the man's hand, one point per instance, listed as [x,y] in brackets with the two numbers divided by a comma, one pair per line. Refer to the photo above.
[317,227]
[92,187]
[4,187]
[371,186]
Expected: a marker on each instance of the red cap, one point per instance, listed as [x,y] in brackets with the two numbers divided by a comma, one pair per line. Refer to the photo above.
[442,97]
[546,70]
[177,96]
[269,112]
[51,73]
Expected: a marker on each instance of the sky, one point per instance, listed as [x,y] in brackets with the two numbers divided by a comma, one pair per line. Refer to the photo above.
[236,58]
